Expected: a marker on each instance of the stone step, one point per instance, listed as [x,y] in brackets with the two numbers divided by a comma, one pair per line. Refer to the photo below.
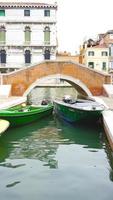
[108,89]
[108,125]
[7,102]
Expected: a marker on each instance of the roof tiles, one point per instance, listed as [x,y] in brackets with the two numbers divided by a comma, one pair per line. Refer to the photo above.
[26,5]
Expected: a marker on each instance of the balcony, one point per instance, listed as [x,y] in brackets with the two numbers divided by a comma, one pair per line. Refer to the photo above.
[27,44]
[17,19]
[46,43]
[2,43]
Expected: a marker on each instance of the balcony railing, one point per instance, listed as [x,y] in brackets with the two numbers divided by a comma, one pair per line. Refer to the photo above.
[46,42]
[28,19]
[27,43]
[2,43]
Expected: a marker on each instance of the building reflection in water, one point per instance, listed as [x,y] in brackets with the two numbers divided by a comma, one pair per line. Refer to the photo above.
[41,140]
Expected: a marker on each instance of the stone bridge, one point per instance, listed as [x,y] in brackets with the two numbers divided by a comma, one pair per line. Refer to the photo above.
[85,80]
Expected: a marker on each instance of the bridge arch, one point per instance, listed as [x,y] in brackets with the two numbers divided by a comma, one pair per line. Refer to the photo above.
[76,83]
[87,81]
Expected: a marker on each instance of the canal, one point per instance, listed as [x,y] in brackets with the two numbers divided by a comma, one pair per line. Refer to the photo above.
[51,159]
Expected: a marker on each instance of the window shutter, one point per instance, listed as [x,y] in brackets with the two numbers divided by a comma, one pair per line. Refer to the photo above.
[2,12]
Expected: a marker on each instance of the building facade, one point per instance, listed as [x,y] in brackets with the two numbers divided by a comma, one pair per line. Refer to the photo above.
[66,56]
[27,33]
[98,54]
[96,57]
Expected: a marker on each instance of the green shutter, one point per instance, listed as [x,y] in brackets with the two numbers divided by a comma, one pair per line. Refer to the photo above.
[27,36]
[2,12]
[47,37]
[2,36]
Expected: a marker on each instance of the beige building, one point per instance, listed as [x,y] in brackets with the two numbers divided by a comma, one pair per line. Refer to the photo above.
[66,56]
[98,54]
[96,57]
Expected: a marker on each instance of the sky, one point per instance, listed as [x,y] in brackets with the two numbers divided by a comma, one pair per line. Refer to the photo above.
[78,20]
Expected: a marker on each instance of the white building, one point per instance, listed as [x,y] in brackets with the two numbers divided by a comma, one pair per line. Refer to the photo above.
[27,33]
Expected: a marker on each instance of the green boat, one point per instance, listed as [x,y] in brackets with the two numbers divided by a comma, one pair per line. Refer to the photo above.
[19,115]
[4,124]
[78,110]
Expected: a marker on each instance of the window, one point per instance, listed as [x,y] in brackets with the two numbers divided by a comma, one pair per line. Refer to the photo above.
[91,64]
[2,35]
[26,12]
[47,54]
[27,56]
[104,53]
[47,35]
[47,13]
[2,12]
[90,53]
[104,66]
[3,56]
[27,34]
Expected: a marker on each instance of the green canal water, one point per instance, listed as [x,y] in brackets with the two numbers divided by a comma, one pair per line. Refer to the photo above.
[52,160]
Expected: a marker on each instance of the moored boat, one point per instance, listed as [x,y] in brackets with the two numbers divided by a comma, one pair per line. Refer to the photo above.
[4,124]
[19,115]
[78,110]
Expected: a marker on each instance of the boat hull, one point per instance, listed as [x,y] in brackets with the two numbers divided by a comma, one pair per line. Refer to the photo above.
[74,115]
[21,118]
[4,124]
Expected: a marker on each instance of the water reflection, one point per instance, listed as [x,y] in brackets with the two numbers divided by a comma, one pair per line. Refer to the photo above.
[36,141]
[41,141]
[12,184]
[109,154]
[48,156]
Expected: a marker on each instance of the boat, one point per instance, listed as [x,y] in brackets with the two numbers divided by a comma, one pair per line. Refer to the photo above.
[4,124]
[21,115]
[78,110]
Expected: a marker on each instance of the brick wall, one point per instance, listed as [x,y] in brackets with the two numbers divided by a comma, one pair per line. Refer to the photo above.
[22,79]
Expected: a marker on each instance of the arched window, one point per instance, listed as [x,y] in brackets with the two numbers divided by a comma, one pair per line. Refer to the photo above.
[2,56]
[47,54]
[27,35]
[2,35]
[27,56]
[47,35]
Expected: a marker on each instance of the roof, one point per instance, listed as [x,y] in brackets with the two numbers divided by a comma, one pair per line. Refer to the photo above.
[101,46]
[108,32]
[101,35]
[26,5]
